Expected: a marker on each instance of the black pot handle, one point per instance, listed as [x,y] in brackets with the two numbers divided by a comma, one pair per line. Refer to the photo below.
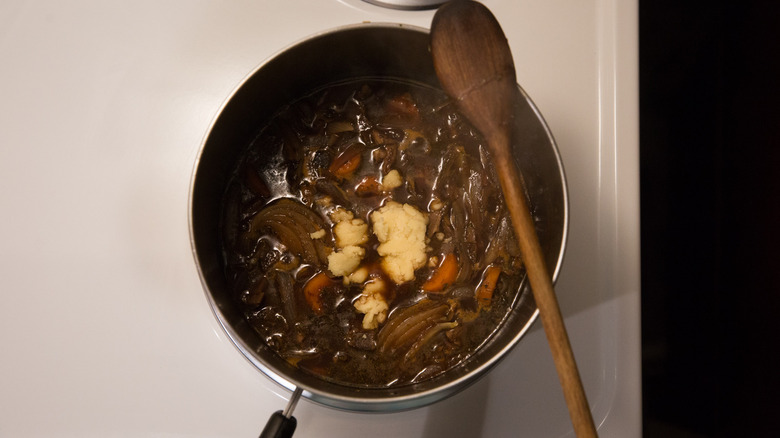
[282,424]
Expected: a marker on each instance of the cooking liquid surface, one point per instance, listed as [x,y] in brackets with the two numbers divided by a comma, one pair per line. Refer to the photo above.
[334,150]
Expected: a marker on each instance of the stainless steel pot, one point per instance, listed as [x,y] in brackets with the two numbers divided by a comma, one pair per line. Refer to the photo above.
[358,51]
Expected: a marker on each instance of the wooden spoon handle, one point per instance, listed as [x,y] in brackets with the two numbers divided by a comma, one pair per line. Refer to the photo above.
[542,287]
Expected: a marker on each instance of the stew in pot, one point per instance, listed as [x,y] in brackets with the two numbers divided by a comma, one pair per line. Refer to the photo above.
[366,237]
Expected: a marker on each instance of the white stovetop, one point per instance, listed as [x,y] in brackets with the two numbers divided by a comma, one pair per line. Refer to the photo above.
[104,328]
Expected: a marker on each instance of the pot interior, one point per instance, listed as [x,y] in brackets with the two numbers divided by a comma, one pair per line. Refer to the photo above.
[357,52]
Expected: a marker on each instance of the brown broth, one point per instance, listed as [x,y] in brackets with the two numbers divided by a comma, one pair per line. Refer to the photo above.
[306,156]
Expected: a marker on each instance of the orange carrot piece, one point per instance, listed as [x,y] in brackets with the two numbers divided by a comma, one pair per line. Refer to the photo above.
[404,105]
[346,163]
[313,288]
[369,186]
[488,285]
[444,275]
[350,166]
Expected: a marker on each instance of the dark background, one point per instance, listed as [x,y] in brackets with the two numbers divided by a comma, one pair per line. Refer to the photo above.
[709,141]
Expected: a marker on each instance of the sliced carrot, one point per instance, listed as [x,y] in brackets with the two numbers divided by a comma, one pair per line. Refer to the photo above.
[313,288]
[488,285]
[350,166]
[444,275]
[369,186]
[347,162]
[404,105]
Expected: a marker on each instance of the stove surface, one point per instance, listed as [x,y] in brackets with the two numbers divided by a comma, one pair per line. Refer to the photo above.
[105,328]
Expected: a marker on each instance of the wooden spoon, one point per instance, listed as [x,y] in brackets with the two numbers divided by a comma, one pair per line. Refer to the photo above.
[474,65]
